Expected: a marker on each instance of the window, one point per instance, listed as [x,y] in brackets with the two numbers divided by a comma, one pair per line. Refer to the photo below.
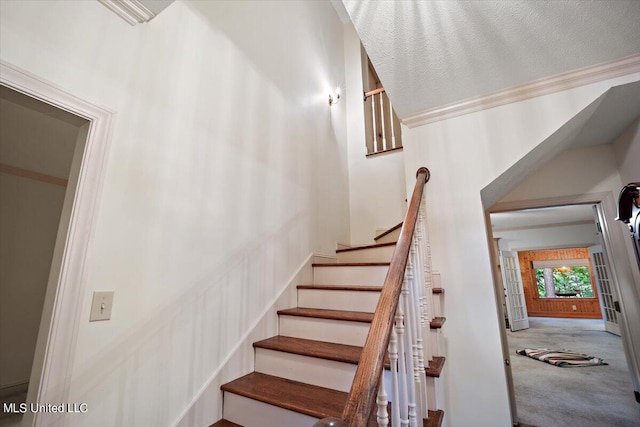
[563,279]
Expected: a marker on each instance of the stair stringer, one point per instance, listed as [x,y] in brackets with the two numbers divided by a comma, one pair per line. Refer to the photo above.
[206,407]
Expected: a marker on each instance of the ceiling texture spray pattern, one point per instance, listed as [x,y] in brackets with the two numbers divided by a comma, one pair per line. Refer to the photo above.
[432,53]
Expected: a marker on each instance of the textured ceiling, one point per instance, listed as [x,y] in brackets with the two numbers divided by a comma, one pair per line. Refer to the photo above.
[432,53]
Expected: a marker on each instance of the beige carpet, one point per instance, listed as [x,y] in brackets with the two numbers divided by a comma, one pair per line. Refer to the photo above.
[595,396]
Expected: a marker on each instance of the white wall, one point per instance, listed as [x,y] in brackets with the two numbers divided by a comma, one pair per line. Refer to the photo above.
[464,155]
[29,216]
[575,171]
[227,169]
[376,183]
[627,151]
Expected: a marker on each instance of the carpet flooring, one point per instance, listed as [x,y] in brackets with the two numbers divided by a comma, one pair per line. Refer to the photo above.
[595,396]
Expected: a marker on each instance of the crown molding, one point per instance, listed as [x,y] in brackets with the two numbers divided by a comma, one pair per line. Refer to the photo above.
[559,82]
[133,11]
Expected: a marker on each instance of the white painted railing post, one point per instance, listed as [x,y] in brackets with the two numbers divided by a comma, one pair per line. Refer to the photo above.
[403,395]
[383,413]
[426,256]
[393,367]
[418,328]
[409,342]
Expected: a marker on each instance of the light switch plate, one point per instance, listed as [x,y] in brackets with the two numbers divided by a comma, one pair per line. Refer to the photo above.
[101,306]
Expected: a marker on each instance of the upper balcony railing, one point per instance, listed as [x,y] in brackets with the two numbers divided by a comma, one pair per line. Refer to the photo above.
[382,126]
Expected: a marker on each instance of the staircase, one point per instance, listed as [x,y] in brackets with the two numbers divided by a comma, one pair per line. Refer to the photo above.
[305,373]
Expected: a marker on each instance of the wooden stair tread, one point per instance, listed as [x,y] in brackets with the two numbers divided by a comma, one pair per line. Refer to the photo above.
[435,419]
[437,290]
[375,245]
[304,398]
[225,423]
[391,230]
[342,288]
[352,264]
[435,366]
[332,351]
[312,348]
[437,322]
[354,316]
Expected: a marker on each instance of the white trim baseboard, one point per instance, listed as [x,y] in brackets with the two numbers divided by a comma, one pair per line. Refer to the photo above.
[559,82]
[270,308]
[324,258]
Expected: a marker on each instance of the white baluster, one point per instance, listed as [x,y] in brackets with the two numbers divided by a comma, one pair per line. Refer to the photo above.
[383,414]
[425,258]
[430,349]
[422,213]
[393,367]
[402,361]
[410,354]
[419,367]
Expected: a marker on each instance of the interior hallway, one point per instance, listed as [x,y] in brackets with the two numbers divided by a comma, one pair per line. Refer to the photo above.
[548,396]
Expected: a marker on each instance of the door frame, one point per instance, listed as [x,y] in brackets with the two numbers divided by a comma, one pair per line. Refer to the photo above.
[62,308]
[613,328]
[509,295]
[615,243]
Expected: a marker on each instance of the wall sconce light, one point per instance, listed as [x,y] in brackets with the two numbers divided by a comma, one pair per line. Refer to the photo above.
[334,97]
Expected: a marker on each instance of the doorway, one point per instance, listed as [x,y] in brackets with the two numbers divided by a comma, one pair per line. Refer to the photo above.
[37,146]
[563,232]
[51,370]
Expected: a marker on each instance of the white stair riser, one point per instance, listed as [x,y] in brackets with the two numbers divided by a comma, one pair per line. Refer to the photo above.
[253,413]
[306,369]
[437,305]
[434,344]
[435,397]
[381,254]
[350,275]
[329,330]
[338,300]
[315,371]
[391,237]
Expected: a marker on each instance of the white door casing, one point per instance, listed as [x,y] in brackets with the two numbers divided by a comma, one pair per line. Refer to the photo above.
[606,291]
[61,313]
[514,291]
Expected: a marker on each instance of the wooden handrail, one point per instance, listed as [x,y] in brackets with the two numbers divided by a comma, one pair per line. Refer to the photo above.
[373,92]
[362,397]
